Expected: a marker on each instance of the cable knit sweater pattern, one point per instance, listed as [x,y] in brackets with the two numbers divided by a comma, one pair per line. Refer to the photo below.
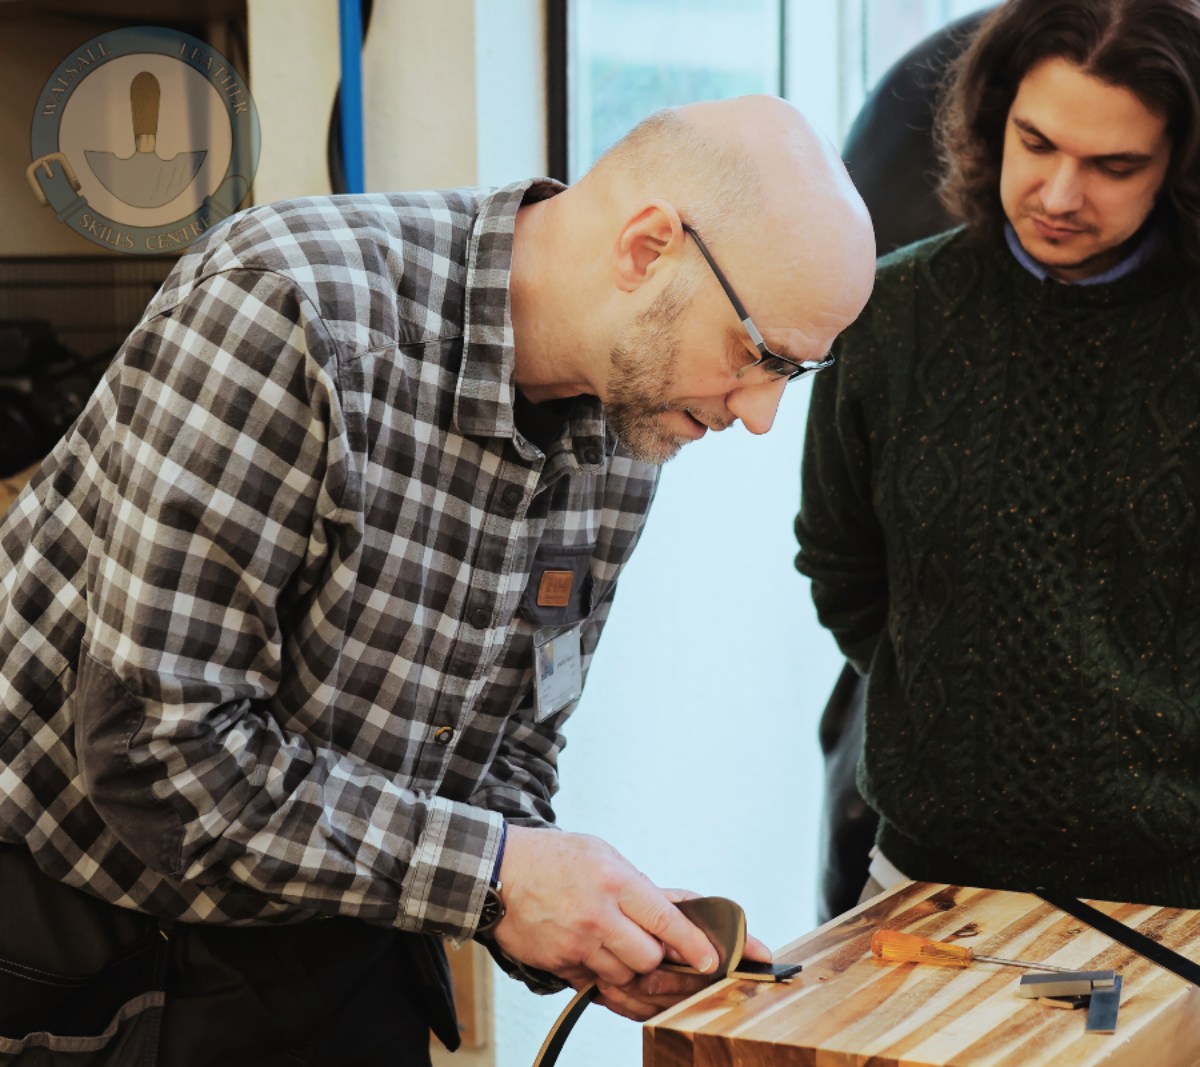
[999,517]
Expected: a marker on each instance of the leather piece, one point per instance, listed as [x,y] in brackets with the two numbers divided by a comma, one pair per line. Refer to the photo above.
[723,923]
[563,1025]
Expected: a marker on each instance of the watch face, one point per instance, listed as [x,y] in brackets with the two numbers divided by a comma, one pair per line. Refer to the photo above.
[493,911]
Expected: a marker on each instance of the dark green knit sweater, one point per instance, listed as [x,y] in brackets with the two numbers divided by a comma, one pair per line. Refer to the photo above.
[1000,511]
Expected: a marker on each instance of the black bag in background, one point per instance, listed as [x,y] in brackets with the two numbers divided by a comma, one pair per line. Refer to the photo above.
[43,388]
[847,823]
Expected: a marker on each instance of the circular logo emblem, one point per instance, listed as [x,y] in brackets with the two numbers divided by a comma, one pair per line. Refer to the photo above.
[143,139]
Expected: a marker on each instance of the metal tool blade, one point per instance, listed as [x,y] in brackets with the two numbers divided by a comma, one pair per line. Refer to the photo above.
[1066,1003]
[1102,1011]
[1070,984]
[143,179]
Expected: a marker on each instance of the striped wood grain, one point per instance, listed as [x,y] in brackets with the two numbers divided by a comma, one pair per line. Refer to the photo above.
[848,1009]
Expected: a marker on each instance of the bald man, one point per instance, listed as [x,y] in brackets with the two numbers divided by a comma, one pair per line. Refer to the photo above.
[292,619]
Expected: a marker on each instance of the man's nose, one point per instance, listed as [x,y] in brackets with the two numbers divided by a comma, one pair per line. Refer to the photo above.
[1062,191]
[756,405]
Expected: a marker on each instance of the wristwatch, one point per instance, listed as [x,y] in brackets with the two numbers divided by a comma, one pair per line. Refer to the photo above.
[493,909]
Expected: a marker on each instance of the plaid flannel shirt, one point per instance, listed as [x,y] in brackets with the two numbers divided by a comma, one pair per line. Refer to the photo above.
[265,624]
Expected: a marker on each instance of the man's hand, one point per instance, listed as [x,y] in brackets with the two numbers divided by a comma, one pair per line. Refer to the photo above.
[648,994]
[577,908]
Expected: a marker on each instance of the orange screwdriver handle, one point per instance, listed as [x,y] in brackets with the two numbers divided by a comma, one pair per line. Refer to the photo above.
[899,947]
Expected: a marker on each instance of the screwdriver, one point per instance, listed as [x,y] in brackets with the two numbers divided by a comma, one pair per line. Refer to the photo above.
[899,947]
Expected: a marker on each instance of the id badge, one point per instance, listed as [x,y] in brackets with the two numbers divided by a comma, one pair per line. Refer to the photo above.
[557,670]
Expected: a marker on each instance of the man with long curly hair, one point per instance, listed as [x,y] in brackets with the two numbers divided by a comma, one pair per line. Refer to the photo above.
[1001,491]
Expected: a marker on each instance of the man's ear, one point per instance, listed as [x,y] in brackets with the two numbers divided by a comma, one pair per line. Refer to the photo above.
[651,232]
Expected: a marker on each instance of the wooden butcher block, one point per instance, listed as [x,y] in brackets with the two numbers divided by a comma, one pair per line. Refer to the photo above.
[848,1009]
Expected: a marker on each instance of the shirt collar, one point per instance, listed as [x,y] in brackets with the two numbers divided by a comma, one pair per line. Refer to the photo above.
[486,394]
[1144,246]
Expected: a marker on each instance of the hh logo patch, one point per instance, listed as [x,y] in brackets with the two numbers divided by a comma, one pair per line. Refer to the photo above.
[554,590]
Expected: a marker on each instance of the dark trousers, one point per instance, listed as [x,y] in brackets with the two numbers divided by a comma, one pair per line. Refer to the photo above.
[86,984]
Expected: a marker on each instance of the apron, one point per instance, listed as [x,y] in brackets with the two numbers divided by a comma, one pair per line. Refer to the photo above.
[86,984]
[81,982]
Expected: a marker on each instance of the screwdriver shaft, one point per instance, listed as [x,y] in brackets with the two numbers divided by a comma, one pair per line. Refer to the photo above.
[1027,965]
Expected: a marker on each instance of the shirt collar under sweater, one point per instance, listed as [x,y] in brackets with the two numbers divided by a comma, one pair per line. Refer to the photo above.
[1146,245]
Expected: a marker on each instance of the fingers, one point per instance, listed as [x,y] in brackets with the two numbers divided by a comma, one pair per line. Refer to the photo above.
[563,896]
[575,904]
[754,950]
[608,968]
[649,994]
[652,912]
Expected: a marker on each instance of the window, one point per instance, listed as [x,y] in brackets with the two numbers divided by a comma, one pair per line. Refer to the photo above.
[876,33]
[625,58]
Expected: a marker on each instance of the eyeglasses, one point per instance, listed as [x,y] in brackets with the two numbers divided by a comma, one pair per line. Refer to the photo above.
[770,366]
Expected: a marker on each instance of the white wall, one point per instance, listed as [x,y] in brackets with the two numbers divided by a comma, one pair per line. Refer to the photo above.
[293,61]
[694,748]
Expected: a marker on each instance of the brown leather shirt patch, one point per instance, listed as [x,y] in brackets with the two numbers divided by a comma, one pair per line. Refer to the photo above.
[554,590]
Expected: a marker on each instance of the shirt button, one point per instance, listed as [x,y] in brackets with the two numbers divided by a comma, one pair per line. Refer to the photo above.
[592,456]
[443,735]
[479,618]
[512,496]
